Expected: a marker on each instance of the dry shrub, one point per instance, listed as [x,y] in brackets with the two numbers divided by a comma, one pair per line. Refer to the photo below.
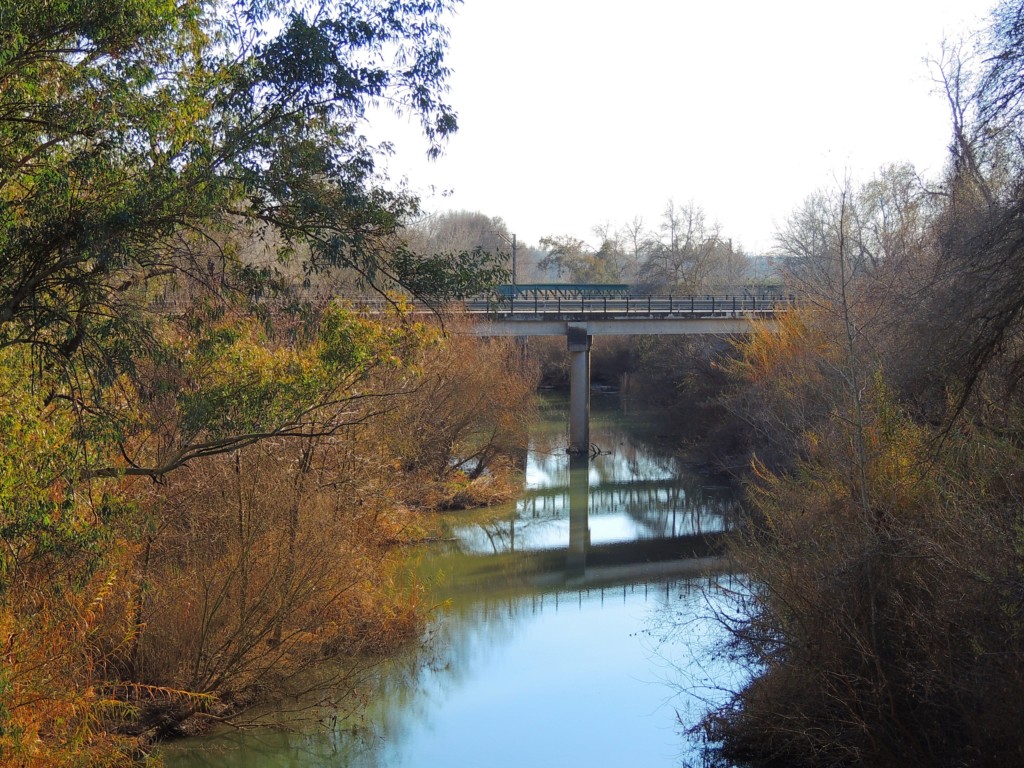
[888,634]
[259,565]
[56,710]
[251,569]
[466,420]
[464,492]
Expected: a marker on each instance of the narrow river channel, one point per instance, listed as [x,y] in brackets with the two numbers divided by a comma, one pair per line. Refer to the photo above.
[575,625]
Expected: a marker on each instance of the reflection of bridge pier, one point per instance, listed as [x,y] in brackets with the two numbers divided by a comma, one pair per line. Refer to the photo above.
[579,519]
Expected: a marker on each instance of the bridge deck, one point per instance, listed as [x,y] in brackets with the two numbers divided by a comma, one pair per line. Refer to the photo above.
[624,326]
[570,303]
[543,314]
[627,315]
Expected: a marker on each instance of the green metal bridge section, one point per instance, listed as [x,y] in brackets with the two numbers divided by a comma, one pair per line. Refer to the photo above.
[561,290]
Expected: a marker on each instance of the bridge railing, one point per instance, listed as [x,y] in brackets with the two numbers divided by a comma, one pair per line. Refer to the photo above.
[618,306]
[563,290]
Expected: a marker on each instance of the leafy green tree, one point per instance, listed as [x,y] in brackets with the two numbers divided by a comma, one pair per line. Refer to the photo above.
[136,136]
[454,254]
[444,276]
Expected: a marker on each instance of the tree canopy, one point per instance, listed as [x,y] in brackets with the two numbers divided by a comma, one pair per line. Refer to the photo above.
[132,132]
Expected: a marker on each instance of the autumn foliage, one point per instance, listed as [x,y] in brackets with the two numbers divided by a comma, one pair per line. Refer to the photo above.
[196,499]
[289,465]
[880,620]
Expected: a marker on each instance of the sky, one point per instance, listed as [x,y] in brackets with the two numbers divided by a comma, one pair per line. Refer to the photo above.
[578,114]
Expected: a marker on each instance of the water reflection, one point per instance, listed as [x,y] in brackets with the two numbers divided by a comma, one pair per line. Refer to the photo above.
[628,505]
[557,679]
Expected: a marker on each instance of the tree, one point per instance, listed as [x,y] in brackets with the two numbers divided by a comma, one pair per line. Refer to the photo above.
[982,226]
[453,231]
[882,620]
[883,228]
[896,210]
[867,640]
[573,257]
[684,260]
[132,132]
[134,138]
[141,144]
[639,240]
[454,255]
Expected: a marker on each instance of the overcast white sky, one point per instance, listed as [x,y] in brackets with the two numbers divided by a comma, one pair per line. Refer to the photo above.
[573,113]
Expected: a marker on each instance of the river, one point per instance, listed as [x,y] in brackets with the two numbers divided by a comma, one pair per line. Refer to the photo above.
[575,626]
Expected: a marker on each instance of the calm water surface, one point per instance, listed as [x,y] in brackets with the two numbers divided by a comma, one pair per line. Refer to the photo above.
[575,628]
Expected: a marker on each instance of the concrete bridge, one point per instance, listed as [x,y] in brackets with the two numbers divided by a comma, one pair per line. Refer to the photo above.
[587,313]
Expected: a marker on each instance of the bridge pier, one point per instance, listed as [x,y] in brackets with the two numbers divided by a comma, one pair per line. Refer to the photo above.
[579,341]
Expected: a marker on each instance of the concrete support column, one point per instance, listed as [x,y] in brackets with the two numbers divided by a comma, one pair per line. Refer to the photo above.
[579,388]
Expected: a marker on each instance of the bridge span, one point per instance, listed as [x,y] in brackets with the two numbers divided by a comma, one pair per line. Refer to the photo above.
[581,317]
[546,315]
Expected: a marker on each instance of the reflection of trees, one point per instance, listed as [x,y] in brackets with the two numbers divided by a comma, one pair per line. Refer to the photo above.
[680,509]
[502,538]
[503,533]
